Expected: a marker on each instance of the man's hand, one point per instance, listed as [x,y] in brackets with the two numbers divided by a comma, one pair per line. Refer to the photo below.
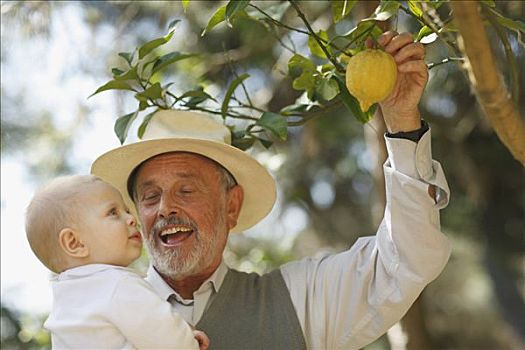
[400,109]
[202,339]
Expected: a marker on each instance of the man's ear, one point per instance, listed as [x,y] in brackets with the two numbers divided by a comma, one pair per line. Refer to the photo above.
[235,200]
[71,243]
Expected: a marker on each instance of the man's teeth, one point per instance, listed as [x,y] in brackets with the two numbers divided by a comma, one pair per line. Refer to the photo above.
[175,230]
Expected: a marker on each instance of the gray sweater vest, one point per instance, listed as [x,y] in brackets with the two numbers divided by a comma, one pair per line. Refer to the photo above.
[252,312]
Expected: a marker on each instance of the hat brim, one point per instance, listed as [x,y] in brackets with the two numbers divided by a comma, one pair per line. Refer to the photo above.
[258,185]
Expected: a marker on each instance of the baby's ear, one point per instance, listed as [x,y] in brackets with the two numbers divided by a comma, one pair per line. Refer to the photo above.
[71,243]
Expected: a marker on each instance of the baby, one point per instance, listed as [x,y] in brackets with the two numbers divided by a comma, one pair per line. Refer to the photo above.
[80,228]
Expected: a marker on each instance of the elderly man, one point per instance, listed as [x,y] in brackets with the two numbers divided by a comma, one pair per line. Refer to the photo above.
[191,189]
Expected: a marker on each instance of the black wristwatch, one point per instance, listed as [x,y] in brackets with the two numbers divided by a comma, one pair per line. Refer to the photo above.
[414,135]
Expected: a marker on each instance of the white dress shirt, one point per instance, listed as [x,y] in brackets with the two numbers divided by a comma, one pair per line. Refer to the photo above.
[347,300]
[102,306]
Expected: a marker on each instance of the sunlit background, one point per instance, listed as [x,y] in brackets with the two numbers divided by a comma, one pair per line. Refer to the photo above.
[55,54]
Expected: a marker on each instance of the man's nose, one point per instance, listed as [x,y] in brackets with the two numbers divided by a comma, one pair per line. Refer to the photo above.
[168,207]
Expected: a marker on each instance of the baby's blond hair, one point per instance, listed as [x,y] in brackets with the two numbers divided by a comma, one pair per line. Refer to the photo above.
[53,208]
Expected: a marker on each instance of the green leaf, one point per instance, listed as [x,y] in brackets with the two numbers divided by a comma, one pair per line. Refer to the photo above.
[116,72]
[364,29]
[275,123]
[237,134]
[242,139]
[128,75]
[413,6]
[153,44]
[266,143]
[426,35]
[341,8]
[234,6]
[197,93]
[151,61]
[299,64]
[305,81]
[352,104]
[327,89]
[196,100]
[385,10]
[292,109]
[243,143]
[113,85]
[511,24]
[122,125]
[172,25]
[143,105]
[304,72]
[197,96]
[154,92]
[515,25]
[128,56]
[144,124]
[185,4]
[233,85]
[314,46]
[327,67]
[168,59]
[218,17]
[424,31]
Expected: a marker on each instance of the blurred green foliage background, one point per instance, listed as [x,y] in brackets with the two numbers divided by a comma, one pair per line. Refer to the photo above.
[55,54]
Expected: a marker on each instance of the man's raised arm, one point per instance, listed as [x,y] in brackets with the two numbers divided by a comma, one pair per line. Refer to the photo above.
[347,300]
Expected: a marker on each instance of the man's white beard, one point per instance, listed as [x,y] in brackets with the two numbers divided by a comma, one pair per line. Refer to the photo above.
[171,264]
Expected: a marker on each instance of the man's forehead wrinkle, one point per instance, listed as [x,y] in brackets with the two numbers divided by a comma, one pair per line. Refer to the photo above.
[178,155]
[160,176]
[178,164]
[154,176]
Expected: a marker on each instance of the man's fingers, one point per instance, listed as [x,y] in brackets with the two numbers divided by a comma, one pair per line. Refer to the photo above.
[202,339]
[398,42]
[415,51]
[385,38]
[401,46]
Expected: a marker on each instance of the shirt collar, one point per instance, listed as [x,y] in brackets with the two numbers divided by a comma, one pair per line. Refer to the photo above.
[88,270]
[164,290]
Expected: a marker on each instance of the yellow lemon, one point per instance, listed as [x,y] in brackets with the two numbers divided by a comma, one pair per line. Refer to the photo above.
[370,76]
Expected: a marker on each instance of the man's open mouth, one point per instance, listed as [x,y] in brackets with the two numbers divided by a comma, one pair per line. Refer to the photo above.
[175,234]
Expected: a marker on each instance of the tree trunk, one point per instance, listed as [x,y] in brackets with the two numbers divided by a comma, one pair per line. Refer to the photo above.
[492,94]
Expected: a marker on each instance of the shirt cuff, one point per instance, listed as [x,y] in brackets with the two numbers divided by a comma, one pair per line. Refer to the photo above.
[411,158]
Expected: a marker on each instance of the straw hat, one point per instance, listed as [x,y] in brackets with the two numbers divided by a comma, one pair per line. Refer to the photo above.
[170,131]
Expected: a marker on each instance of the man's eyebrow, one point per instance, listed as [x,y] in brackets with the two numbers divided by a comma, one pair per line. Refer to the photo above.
[185,174]
[145,184]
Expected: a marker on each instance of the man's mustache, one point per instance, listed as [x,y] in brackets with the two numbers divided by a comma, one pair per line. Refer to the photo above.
[172,220]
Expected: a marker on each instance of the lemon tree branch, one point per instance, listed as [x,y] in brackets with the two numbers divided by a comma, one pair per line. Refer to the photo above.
[486,79]
[301,15]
